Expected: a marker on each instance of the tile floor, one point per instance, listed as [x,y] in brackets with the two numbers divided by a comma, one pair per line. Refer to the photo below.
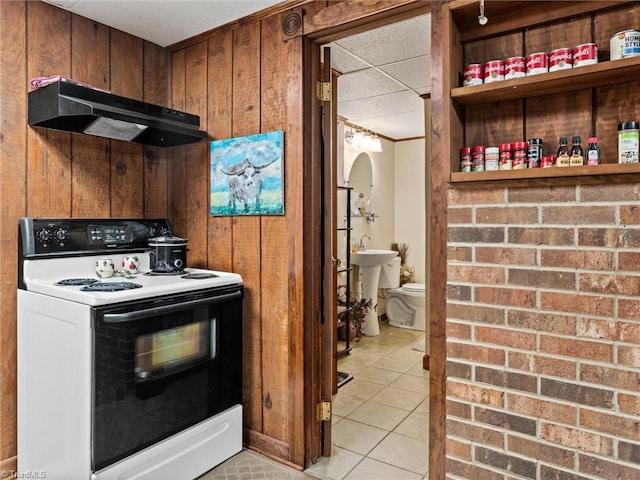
[380,418]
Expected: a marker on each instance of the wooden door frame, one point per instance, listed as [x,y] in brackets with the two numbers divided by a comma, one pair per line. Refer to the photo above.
[331,23]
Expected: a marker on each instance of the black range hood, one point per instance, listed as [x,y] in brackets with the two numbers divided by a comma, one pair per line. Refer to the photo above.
[74,108]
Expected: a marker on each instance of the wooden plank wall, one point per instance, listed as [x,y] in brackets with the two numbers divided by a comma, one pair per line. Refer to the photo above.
[55,174]
[245,81]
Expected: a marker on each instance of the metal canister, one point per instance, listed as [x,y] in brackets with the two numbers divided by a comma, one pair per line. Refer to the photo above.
[624,44]
[628,142]
[585,54]
[472,75]
[514,67]
[493,71]
[537,63]
[560,59]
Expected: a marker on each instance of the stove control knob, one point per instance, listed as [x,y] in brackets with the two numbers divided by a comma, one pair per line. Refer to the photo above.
[44,235]
[61,234]
[177,263]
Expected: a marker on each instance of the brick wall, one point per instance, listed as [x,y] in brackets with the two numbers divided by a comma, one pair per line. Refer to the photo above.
[543,333]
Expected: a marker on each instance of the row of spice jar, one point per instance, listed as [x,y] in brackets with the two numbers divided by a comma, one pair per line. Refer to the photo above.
[529,154]
[534,64]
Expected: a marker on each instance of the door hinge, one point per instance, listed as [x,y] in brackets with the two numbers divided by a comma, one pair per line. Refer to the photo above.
[323,91]
[324,411]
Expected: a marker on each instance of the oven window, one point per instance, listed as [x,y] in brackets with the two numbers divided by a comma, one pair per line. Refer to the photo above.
[169,351]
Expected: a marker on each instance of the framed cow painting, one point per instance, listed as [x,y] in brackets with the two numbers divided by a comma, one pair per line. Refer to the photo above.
[247,175]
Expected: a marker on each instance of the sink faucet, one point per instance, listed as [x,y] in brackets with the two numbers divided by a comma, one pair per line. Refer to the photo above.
[361,247]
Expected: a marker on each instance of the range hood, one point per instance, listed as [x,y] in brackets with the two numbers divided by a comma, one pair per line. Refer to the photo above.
[75,108]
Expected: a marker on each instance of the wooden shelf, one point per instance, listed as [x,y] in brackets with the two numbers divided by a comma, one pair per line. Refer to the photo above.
[579,78]
[621,170]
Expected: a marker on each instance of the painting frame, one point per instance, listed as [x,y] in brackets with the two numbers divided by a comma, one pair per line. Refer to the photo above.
[247,175]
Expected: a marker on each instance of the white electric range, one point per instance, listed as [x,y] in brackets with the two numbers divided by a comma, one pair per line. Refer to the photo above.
[134,376]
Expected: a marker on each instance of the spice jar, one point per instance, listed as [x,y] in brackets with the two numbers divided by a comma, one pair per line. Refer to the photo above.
[491,159]
[519,155]
[628,142]
[477,157]
[534,152]
[466,165]
[506,162]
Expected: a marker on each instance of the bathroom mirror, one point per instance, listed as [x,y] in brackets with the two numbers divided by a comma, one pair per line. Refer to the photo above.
[360,179]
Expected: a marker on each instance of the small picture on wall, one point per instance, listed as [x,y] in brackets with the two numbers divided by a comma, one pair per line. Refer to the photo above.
[247,175]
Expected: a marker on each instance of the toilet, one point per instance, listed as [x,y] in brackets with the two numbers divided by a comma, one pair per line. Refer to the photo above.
[405,306]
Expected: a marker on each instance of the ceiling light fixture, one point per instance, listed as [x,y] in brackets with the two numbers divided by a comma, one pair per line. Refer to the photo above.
[482,20]
[363,139]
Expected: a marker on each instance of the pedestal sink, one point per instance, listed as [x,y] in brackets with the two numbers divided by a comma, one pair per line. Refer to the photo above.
[370,262]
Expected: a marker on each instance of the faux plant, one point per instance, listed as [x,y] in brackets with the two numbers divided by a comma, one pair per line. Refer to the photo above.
[358,309]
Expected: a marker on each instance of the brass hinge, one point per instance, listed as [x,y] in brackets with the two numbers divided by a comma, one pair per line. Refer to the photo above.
[324,411]
[323,91]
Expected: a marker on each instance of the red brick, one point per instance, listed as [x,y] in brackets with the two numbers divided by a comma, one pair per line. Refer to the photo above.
[458,449]
[502,336]
[577,439]
[541,236]
[552,473]
[597,328]
[475,274]
[541,408]
[629,403]
[540,451]
[560,280]
[618,425]
[628,308]
[458,409]
[507,215]
[459,254]
[609,376]
[474,433]
[458,370]
[541,322]
[576,303]
[461,331]
[460,293]
[475,234]
[629,214]
[570,347]
[475,393]
[554,194]
[577,393]
[552,367]
[459,215]
[608,284]
[608,237]
[475,353]
[609,193]
[629,356]
[506,421]
[475,196]
[629,261]
[503,461]
[578,215]
[601,468]
[476,314]
[505,296]
[510,380]
[628,332]
[506,255]
[578,259]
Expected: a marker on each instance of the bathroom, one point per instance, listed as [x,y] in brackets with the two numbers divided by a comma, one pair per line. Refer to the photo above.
[394,203]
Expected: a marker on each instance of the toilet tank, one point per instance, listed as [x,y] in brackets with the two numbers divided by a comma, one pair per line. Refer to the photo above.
[390,274]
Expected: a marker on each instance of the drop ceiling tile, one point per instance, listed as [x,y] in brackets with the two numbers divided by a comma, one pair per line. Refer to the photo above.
[414,73]
[364,84]
[345,62]
[400,126]
[358,110]
[397,41]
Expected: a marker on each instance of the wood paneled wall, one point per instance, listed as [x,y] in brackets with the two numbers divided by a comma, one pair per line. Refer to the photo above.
[245,81]
[48,173]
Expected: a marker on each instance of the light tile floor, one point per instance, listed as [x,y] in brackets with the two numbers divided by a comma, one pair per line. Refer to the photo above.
[380,418]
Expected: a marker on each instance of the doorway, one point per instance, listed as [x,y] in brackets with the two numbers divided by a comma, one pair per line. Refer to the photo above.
[355,436]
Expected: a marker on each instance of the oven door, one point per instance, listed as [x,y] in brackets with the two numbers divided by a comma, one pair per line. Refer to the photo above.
[161,366]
